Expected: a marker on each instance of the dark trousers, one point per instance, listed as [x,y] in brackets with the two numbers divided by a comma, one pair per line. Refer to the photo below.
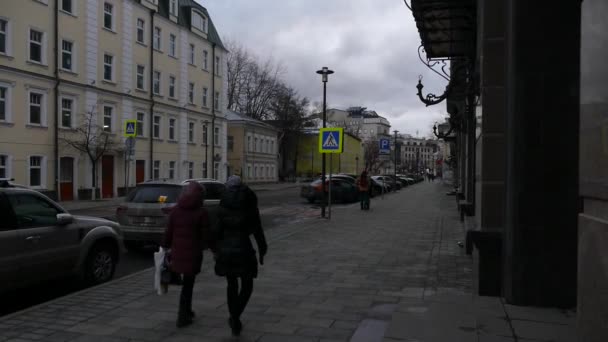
[237,300]
[185,298]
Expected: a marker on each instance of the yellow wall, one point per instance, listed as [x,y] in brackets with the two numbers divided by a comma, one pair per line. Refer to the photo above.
[310,160]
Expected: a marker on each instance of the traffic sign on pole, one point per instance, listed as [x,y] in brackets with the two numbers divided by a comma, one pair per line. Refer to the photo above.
[130,128]
[331,140]
[385,146]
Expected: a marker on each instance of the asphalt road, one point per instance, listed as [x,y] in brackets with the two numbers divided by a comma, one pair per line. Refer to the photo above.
[277,207]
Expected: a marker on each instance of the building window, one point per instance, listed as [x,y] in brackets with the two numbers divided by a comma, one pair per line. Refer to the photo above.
[171,170]
[191,92]
[66,55]
[192,53]
[141,27]
[205,90]
[3,36]
[108,67]
[156,83]
[172,86]
[36,102]
[67,6]
[255,144]
[173,7]
[199,21]
[108,12]
[230,143]
[4,171]
[205,135]
[216,136]
[156,127]
[141,72]
[3,103]
[216,104]
[190,170]
[107,118]
[36,50]
[205,59]
[156,174]
[172,129]
[249,143]
[191,132]
[67,112]
[217,65]
[272,146]
[35,171]
[156,43]
[139,129]
[172,43]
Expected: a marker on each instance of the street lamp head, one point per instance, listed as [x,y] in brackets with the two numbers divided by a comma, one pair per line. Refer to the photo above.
[324,72]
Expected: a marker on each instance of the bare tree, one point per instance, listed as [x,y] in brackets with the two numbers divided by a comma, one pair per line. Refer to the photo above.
[372,155]
[239,62]
[92,139]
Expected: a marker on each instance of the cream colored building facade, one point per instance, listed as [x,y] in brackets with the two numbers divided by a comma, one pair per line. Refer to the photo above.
[160,62]
[252,149]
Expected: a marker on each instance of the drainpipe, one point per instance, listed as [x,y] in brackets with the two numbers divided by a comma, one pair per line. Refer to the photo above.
[151,120]
[56,101]
[213,175]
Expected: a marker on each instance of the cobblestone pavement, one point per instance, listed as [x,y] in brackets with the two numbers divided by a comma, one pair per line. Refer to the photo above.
[362,277]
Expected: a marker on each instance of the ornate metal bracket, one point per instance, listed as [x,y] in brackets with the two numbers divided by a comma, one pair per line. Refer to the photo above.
[442,135]
[431,99]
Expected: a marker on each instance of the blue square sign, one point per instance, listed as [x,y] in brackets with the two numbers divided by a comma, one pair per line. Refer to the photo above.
[384,146]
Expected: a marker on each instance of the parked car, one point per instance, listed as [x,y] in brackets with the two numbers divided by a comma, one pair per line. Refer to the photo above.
[143,215]
[40,240]
[394,182]
[409,181]
[10,183]
[379,182]
[342,191]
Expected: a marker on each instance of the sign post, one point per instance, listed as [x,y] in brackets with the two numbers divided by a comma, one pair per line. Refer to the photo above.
[129,133]
[331,140]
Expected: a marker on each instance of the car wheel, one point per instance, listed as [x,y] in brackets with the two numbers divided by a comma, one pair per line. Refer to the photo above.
[101,263]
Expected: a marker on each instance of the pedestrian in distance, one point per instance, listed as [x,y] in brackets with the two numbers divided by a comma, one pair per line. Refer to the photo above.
[235,257]
[363,183]
[186,235]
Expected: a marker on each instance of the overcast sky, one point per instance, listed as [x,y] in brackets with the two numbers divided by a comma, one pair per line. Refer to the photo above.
[372,45]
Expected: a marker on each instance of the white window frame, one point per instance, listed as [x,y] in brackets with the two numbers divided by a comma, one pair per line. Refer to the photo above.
[172,129]
[72,111]
[172,83]
[73,4]
[157,38]
[8,38]
[8,165]
[205,134]
[218,68]
[142,132]
[172,45]
[72,54]
[171,169]
[216,136]
[111,65]
[156,167]
[205,92]
[42,44]
[173,7]
[42,168]
[199,21]
[8,102]
[205,60]
[216,102]
[191,92]
[141,29]
[190,170]
[111,13]
[192,54]
[156,82]
[112,118]
[43,107]
[142,76]
[191,132]
[157,126]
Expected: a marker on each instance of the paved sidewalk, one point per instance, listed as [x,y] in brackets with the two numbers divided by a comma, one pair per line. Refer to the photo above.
[394,273]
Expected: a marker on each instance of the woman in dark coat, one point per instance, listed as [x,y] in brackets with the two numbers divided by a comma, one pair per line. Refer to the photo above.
[238,218]
[187,228]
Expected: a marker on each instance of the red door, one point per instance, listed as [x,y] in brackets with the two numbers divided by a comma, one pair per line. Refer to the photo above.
[107,174]
[140,171]
[66,178]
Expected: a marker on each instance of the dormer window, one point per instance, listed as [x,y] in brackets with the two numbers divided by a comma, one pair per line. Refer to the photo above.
[199,21]
[173,7]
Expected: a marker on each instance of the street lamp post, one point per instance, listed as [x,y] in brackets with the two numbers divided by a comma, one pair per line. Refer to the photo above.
[396,156]
[324,72]
[206,135]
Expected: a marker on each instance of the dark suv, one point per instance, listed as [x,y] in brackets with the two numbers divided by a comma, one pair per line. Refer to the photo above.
[39,240]
[143,215]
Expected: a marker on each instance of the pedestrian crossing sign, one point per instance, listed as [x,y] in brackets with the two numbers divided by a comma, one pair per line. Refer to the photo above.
[130,128]
[331,140]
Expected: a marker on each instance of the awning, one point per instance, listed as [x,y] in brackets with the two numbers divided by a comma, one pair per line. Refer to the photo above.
[447,27]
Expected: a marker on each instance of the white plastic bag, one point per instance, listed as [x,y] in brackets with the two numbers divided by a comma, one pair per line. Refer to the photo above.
[159,260]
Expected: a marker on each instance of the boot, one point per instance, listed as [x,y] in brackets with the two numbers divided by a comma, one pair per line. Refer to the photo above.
[235,325]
